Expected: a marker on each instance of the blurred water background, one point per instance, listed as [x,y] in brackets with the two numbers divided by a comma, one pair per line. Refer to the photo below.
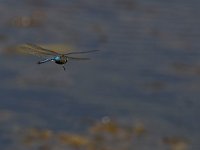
[147,72]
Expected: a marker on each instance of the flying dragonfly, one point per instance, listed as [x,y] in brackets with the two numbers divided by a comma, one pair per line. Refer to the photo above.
[51,55]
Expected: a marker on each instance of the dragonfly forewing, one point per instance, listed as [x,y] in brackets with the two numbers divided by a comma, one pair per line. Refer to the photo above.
[42,49]
[36,50]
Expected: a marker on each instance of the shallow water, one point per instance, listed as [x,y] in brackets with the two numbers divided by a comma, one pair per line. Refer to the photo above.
[147,70]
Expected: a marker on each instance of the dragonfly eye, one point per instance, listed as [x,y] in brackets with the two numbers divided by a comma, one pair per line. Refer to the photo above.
[57,58]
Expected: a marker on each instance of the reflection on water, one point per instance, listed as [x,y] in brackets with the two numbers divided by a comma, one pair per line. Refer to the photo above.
[147,71]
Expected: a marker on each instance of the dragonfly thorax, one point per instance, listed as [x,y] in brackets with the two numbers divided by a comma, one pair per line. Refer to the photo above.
[62,59]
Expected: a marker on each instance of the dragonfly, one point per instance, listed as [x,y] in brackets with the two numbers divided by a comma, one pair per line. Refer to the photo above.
[51,55]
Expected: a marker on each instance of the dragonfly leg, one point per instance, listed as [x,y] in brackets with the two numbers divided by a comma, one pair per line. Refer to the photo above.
[63,67]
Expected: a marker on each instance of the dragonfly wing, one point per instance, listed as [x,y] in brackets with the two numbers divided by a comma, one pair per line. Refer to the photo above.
[78,58]
[28,50]
[35,50]
[42,49]
[91,51]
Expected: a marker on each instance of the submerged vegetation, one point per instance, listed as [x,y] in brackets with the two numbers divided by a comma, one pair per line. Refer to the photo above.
[102,135]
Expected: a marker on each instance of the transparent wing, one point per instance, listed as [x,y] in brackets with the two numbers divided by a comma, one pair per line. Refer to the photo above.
[42,49]
[78,58]
[36,50]
[91,51]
